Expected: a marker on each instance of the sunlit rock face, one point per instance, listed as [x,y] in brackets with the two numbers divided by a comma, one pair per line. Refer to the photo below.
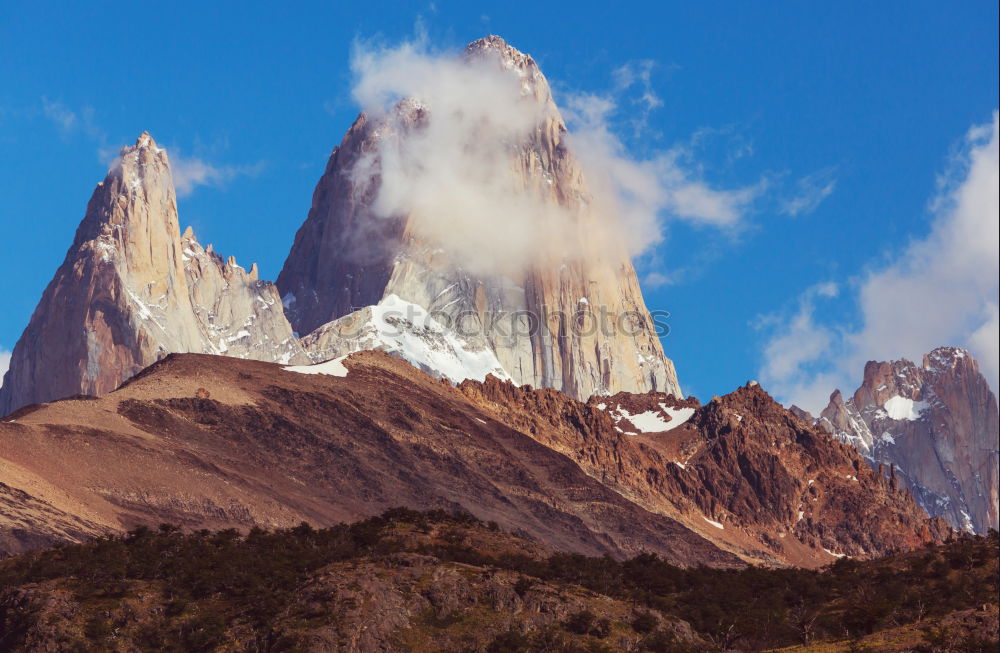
[132,290]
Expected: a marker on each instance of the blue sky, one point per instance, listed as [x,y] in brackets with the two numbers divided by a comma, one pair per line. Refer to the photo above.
[870,102]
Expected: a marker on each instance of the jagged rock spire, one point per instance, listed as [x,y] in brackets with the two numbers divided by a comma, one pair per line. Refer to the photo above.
[936,425]
[131,290]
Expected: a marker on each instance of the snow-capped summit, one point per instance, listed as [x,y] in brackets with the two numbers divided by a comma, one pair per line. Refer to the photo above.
[935,425]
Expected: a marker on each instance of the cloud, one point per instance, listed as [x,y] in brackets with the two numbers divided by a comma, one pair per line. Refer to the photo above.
[645,191]
[188,172]
[790,357]
[60,114]
[4,364]
[658,280]
[192,172]
[810,191]
[638,74]
[941,289]
[446,159]
[70,121]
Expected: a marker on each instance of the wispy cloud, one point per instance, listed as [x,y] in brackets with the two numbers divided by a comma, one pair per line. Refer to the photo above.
[60,114]
[793,357]
[70,121]
[941,289]
[809,192]
[452,173]
[648,190]
[191,172]
[658,280]
[639,75]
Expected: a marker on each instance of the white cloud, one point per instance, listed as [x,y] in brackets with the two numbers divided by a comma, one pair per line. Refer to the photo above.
[790,369]
[69,120]
[448,165]
[658,280]
[4,364]
[188,172]
[941,289]
[810,191]
[60,114]
[640,74]
[192,172]
[646,191]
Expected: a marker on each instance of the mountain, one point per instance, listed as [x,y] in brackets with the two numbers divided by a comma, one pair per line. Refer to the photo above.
[932,426]
[131,290]
[346,256]
[218,442]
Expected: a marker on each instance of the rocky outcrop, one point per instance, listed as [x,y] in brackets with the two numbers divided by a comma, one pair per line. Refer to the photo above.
[932,426]
[572,319]
[131,290]
[238,314]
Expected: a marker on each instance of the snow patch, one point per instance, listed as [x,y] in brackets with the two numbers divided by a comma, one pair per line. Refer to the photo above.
[649,422]
[901,408]
[714,523]
[333,367]
[407,331]
[677,416]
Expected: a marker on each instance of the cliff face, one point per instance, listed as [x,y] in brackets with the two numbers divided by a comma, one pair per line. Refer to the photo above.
[131,290]
[538,318]
[933,426]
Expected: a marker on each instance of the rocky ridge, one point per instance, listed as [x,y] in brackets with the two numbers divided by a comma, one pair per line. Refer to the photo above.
[218,442]
[741,471]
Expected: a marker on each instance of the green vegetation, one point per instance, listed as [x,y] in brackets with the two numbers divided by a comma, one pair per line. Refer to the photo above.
[211,582]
